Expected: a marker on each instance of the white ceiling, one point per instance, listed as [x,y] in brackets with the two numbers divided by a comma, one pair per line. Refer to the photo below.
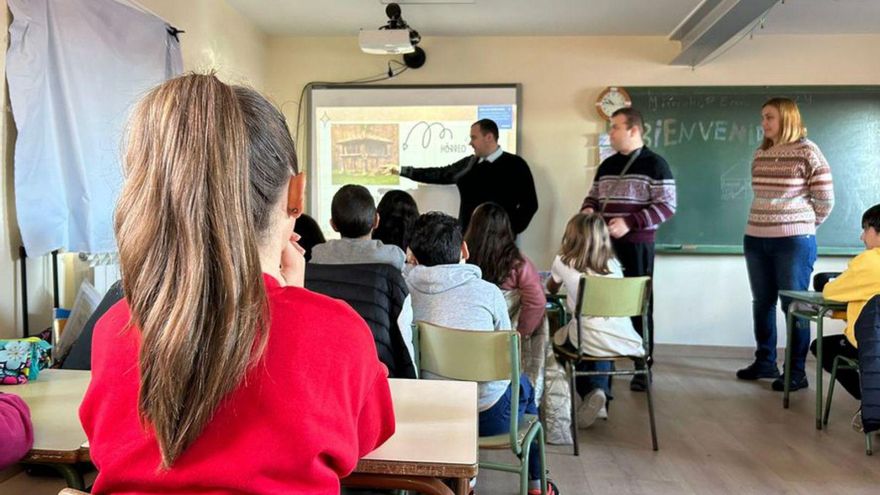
[544,17]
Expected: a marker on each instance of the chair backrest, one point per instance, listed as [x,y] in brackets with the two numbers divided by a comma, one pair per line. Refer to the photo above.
[609,296]
[473,356]
[467,354]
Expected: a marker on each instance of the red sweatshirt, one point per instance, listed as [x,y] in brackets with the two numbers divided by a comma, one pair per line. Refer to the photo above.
[317,402]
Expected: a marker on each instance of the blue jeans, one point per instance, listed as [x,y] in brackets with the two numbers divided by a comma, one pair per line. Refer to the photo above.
[586,384]
[496,420]
[774,264]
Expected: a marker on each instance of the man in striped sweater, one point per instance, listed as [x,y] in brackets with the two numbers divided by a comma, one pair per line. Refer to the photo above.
[635,192]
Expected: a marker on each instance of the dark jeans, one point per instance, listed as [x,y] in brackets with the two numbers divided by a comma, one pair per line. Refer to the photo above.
[586,384]
[496,420]
[832,346]
[774,264]
[637,260]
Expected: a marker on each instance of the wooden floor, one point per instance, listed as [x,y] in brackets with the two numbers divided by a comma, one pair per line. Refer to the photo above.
[717,435]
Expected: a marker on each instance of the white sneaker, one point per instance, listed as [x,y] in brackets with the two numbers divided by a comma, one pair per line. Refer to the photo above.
[590,407]
[603,413]
[857,422]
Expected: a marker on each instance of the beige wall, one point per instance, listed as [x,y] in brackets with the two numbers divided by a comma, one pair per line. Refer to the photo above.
[701,300]
[217,37]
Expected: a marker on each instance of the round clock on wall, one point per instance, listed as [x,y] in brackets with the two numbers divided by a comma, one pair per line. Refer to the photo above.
[610,100]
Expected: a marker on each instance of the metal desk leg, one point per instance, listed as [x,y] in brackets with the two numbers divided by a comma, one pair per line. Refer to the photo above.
[786,375]
[819,368]
[71,474]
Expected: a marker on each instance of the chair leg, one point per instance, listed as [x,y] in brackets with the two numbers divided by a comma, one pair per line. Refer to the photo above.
[569,367]
[651,408]
[524,472]
[869,448]
[543,454]
[830,391]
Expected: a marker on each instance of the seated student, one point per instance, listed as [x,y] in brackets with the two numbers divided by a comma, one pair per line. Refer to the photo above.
[370,282]
[855,286]
[80,355]
[310,234]
[586,249]
[353,215]
[16,430]
[212,375]
[492,247]
[446,291]
[398,211]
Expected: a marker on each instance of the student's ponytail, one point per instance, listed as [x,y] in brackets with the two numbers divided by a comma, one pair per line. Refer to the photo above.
[204,164]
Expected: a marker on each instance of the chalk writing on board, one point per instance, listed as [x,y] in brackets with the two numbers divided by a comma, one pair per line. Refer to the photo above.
[733,187]
[428,134]
[676,102]
[672,132]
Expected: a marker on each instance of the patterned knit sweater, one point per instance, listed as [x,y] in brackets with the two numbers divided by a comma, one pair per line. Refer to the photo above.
[793,190]
[644,197]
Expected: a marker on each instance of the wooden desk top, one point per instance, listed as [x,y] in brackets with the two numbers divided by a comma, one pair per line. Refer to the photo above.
[436,432]
[54,400]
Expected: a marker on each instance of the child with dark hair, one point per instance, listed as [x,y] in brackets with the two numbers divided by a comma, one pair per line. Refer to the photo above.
[447,291]
[398,211]
[492,247]
[353,214]
[855,286]
[310,234]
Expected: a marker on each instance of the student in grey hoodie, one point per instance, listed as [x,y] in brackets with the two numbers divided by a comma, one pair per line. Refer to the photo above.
[353,215]
[445,291]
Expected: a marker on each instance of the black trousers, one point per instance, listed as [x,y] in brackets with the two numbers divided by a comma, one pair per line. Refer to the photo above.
[637,260]
[832,346]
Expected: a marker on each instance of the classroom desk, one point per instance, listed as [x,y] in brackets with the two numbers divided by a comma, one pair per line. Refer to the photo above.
[59,440]
[823,307]
[435,438]
[557,303]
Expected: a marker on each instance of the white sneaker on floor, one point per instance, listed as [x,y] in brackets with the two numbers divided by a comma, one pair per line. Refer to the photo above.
[857,422]
[589,409]
[603,413]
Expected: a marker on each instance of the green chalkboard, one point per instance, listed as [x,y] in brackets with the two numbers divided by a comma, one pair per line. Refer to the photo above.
[709,135]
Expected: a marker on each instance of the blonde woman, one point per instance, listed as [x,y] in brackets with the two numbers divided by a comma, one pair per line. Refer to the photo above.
[586,249]
[213,374]
[793,196]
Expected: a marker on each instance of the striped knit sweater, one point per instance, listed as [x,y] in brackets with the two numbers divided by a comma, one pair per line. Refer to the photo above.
[644,197]
[793,190]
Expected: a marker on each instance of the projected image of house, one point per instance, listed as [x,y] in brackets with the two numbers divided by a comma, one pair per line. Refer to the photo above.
[363,153]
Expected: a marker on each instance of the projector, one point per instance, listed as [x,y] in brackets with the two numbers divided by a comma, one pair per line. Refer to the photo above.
[386,41]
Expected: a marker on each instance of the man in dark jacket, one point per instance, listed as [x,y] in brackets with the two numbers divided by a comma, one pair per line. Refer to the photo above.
[490,174]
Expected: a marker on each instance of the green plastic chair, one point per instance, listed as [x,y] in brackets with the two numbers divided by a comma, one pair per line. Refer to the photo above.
[486,356]
[843,362]
[609,297]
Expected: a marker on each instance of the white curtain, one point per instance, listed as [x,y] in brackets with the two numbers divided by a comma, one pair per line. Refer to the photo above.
[75,69]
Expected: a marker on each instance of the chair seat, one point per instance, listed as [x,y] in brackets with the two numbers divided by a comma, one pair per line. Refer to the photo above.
[502,441]
[568,353]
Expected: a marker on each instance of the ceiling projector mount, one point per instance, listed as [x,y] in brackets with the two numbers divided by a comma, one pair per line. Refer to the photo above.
[394,38]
